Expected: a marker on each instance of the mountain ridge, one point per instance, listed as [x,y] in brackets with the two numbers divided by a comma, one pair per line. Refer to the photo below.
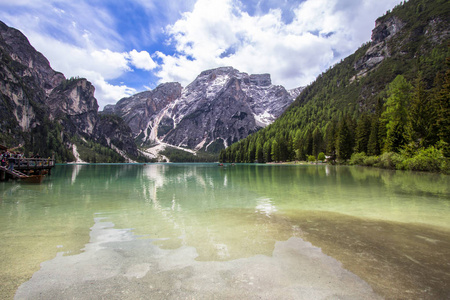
[219,107]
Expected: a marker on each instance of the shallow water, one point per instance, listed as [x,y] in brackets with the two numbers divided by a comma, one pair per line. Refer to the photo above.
[390,229]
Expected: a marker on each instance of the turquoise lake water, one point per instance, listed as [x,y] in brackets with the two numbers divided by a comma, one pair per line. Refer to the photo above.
[391,229]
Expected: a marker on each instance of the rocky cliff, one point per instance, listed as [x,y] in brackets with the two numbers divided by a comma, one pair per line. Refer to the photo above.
[45,112]
[219,107]
[394,37]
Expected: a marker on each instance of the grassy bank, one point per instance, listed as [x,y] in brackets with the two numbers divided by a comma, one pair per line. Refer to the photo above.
[428,159]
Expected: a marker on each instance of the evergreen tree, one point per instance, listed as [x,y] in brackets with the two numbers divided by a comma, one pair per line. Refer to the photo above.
[283,151]
[443,112]
[251,153]
[398,127]
[331,137]
[422,117]
[297,144]
[259,152]
[363,131]
[308,148]
[237,157]
[376,137]
[373,144]
[317,142]
[345,140]
[267,151]
[275,151]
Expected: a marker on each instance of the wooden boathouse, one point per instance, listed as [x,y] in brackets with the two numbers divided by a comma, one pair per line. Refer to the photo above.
[27,169]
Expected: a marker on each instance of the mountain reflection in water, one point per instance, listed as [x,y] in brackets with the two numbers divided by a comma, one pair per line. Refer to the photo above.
[390,228]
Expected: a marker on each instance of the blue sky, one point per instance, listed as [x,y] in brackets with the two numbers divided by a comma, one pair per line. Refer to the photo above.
[124,47]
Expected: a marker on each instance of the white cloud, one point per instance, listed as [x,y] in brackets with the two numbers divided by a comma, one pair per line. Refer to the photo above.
[141,60]
[107,93]
[98,66]
[218,33]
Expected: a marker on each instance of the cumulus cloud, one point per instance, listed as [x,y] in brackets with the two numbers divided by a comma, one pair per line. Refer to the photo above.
[98,66]
[220,33]
[141,60]
[105,92]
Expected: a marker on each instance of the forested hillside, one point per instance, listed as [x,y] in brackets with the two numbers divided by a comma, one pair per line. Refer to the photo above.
[389,100]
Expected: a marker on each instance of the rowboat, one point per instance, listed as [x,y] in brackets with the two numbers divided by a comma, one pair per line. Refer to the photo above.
[33,178]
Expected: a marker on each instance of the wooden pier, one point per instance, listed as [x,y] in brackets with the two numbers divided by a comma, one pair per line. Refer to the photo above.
[28,169]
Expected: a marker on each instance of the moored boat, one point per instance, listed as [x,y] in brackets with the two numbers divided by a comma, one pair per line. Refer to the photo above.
[33,178]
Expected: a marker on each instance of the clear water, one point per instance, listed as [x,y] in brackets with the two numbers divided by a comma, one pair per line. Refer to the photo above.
[235,212]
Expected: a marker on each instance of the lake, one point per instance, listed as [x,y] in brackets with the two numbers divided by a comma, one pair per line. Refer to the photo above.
[170,231]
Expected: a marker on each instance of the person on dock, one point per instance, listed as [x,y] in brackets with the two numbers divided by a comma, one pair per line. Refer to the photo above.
[11,161]
[3,159]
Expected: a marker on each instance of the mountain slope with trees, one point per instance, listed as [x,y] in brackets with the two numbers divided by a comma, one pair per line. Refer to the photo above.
[388,102]
[42,112]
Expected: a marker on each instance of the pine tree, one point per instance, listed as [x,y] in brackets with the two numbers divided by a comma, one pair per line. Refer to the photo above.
[317,142]
[267,151]
[345,140]
[308,148]
[443,112]
[275,151]
[373,145]
[222,155]
[297,144]
[376,137]
[259,151]
[331,137]
[251,154]
[422,117]
[398,126]
[363,131]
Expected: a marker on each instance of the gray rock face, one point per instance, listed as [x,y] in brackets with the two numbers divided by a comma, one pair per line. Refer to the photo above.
[75,101]
[384,30]
[37,66]
[388,40]
[141,110]
[219,107]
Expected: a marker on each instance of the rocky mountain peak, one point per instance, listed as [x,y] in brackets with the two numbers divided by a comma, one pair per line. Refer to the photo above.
[394,31]
[260,79]
[219,107]
[22,52]
[386,28]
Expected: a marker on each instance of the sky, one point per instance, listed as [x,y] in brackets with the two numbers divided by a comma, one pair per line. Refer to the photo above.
[128,46]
